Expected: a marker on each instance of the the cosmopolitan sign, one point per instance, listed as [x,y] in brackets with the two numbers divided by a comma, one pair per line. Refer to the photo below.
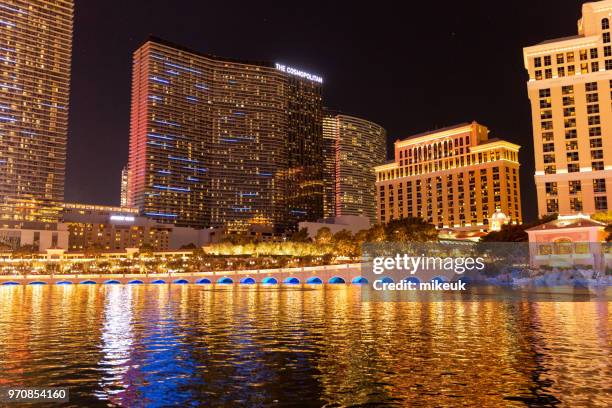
[298,73]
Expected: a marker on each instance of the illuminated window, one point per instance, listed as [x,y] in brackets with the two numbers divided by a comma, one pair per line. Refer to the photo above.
[599,185]
[537,62]
[575,187]
[601,203]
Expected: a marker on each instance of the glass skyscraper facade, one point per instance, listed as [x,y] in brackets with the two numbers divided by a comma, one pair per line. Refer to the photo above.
[352,148]
[217,142]
[35,55]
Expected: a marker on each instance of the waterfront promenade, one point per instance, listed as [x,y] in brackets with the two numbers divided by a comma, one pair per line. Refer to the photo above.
[343,273]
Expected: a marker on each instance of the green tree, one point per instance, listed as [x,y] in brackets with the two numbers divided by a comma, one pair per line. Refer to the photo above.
[344,243]
[324,236]
[26,250]
[411,229]
[605,217]
[516,233]
[146,249]
[300,236]
[508,233]
[376,233]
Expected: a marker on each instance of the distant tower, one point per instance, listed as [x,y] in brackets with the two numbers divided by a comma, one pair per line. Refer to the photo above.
[352,147]
[125,174]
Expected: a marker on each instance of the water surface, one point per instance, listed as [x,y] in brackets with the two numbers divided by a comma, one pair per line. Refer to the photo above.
[189,345]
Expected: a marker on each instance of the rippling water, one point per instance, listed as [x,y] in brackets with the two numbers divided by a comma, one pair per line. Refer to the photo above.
[159,345]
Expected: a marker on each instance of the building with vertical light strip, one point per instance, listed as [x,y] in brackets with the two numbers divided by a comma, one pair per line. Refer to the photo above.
[35,57]
[453,178]
[125,177]
[352,148]
[570,86]
[218,142]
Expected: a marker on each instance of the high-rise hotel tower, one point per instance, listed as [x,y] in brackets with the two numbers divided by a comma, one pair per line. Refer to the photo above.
[223,143]
[453,178]
[352,147]
[35,55]
[570,86]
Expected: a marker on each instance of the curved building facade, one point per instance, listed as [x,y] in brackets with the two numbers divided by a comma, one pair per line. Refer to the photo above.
[352,148]
[217,142]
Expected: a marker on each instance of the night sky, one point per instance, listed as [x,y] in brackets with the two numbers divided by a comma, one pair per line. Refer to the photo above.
[409,69]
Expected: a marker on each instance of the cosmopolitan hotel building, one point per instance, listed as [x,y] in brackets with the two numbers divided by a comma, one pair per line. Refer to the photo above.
[217,142]
[352,147]
[570,86]
[453,178]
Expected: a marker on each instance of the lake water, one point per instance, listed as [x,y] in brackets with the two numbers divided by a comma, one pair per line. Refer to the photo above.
[187,345]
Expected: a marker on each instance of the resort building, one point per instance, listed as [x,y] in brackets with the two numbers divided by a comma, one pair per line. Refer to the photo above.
[570,87]
[454,177]
[218,142]
[30,224]
[352,147]
[35,58]
[107,228]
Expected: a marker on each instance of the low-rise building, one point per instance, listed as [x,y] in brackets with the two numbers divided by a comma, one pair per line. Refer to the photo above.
[569,241]
[108,228]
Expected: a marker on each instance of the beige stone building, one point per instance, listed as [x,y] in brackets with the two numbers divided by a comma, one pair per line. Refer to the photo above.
[570,86]
[454,178]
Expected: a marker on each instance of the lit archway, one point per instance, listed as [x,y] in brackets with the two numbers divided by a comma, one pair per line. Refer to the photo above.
[247,281]
[359,280]
[291,281]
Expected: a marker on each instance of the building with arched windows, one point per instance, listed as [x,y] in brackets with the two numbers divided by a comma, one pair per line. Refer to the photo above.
[454,177]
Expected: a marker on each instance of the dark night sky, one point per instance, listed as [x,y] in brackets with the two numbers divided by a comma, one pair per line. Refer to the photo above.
[409,69]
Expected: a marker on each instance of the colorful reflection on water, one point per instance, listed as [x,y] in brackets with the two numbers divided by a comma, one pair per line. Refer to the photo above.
[159,345]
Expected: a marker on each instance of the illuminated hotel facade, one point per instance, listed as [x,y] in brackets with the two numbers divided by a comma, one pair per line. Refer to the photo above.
[453,178]
[217,142]
[570,86]
[352,147]
[35,58]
